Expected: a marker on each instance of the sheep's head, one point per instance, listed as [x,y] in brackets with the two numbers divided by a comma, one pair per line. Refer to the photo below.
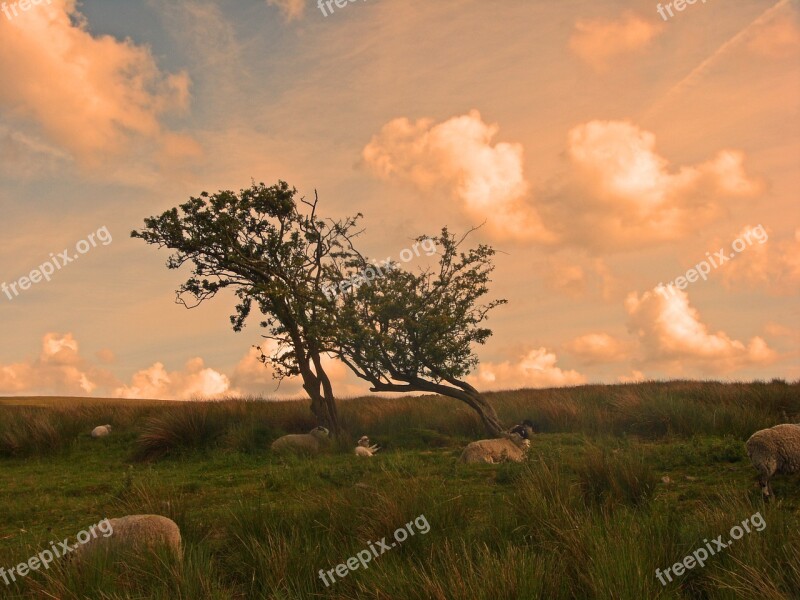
[108,427]
[525,429]
[320,432]
[518,440]
[363,441]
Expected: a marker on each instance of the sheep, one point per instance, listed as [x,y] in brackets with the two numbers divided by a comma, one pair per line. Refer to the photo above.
[364,448]
[511,447]
[136,533]
[101,431]
[304,443]
[526,429]
[774,451]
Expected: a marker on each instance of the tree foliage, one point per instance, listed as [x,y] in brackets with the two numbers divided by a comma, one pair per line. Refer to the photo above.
[260,244]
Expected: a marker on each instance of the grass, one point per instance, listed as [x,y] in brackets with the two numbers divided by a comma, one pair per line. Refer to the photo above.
[588,516]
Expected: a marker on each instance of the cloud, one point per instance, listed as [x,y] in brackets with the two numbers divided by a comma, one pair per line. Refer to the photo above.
[291,9]
[251,377]
[59,369]
[577,277]
[537,368]
[194,382]
[779,38]
[487,180]
[616,194]
[595,348]
[634,377]
[101,93]
[620,194]
[670,332]
[772,266]
[600,41]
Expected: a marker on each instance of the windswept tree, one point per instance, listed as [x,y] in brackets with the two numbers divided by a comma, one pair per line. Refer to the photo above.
[415,332]
[260,244]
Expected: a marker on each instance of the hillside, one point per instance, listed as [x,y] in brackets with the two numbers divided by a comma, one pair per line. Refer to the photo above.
[621,481]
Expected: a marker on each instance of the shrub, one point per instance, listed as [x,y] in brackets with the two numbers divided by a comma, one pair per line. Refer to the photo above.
[190,426]
[606,479]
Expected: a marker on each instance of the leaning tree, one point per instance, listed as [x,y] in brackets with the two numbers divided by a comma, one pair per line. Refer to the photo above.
[415,332]
[272,252]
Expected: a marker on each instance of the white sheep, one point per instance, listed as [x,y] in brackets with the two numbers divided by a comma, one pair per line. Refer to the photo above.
[511,447]
[101,431]
[135,533]
[364,448]
[304,443]
[774,451]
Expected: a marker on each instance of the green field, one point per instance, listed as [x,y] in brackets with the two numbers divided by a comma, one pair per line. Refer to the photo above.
[590,515]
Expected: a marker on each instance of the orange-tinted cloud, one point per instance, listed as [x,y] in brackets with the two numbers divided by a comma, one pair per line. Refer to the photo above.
[596,348]
[634,377]
[535,369]
[291,9]
[599,42]
[578,277]
[620,194]
[196,381]
[778,38]
[100,92]
[59,369]
[670,332]
[772,266]
[458,154]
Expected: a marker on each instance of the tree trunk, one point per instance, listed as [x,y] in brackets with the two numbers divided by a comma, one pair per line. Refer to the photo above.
[323,406]
[464,392]
[487,414]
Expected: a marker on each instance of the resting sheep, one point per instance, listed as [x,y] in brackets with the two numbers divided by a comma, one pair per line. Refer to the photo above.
[101,431]
[512,447]
[774,451]
[136,533]
[526,429]
[304,443]
[364,448]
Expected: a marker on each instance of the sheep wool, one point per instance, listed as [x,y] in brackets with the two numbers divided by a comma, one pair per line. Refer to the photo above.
[364,448]
[101,431]
[511,448]
[302,443]
[774,451]
[138,533]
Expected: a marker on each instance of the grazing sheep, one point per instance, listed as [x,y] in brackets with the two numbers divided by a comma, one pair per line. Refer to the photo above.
[101,431]
[526,429]
[512,447]
[364,448]
[136,533]
[774,451]
[304,443]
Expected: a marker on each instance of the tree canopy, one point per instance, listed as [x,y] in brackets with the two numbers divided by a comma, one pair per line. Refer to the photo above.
[263,246]
[400,331]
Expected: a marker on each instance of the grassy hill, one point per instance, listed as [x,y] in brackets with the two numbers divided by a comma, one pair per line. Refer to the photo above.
[621,480]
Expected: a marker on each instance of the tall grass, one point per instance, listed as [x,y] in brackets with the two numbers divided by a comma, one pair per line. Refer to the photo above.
[587,516]
[648,410]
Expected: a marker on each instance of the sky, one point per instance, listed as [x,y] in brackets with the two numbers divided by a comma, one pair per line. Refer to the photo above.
[634,165]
